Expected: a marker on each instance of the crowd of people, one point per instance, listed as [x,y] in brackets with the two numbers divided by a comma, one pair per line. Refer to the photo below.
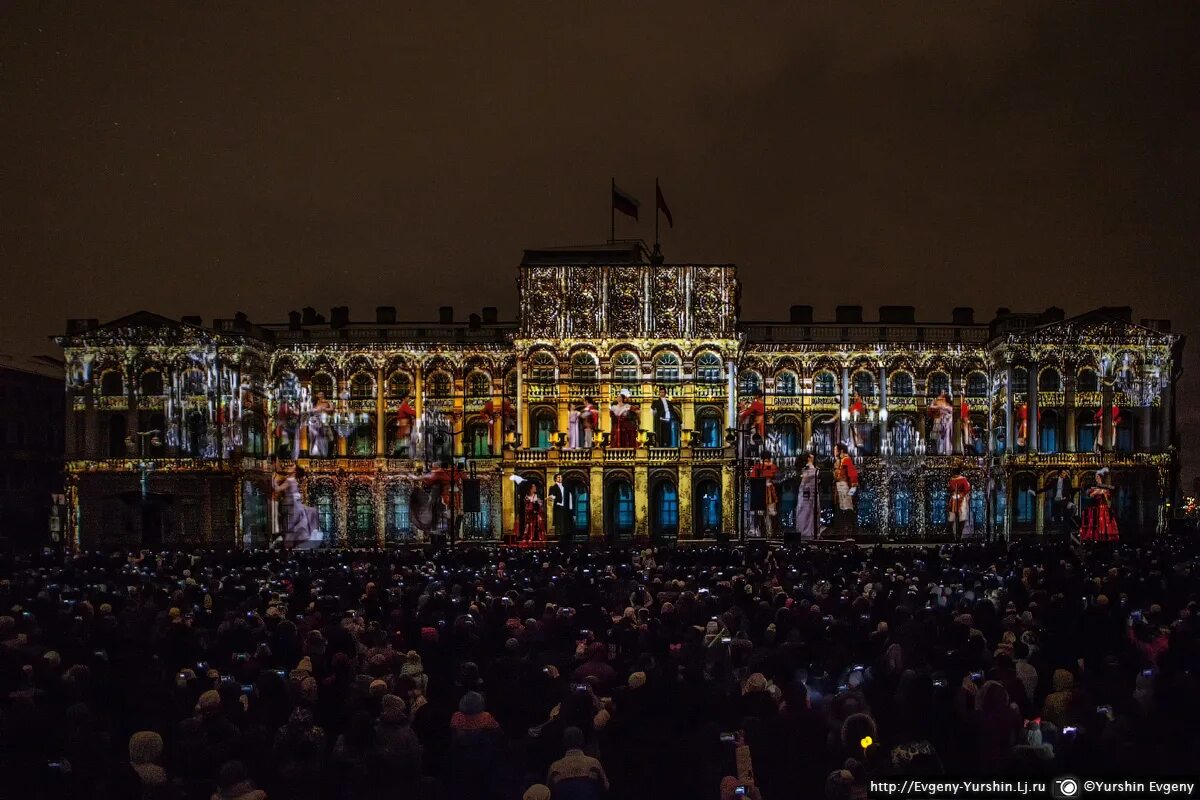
[496,674]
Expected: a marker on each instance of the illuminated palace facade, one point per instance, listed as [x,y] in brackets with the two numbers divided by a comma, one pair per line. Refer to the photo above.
[175,430]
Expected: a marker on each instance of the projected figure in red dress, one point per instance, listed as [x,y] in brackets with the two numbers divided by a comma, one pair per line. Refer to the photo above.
[535,520]
[1099,525]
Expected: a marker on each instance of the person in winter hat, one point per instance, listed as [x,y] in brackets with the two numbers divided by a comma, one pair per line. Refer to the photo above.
[235,784]
[145,753]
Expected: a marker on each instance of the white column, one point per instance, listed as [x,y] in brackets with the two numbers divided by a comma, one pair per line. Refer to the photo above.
[731,399]
[520,402]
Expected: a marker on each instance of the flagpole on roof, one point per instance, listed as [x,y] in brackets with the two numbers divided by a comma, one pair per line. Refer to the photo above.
[656,194]
[612,213]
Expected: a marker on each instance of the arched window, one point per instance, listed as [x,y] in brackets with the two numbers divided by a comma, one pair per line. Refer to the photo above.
[749,382]
[783,438]
[864,504]
[362,386]
[978,508]
[709,369]
[112,383]
[710,427]
[823,434]
[1048,432]
[194,382]
[510,384]
[584,368]
[479,439]
[666,368]
[398,526]
[440,384]
[543,428]
[255,435]
[1020,380]
[362,436]
[1088,380]
[902,507]
[824,384]
[666,509]
[902,385]
[785,383]
[399,385]
[1124,443]
[620,509]
[152,383]
[938,505]
[864,383]
[1049,380]
[582,505]
[542,367]
[708,498]
[903,435]
[479,384]
[322,498]
[1026,499]
[1087,432]
[937,383]
[361,522]
[287,388]
[626,369]
[1000,505]
[977,384]
[323,383]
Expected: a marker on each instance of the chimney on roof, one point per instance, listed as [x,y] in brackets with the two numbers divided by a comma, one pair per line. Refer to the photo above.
[1003,311]
[339,316]
[310,316]
[490,315]
[474,322]
[241,317]
[1160,325]
[963,315]
[897,315]
[1052,314]
[385,315]
[293,320]
[192,319]
[848,315]
[800,315]
[80,325]
[446,315]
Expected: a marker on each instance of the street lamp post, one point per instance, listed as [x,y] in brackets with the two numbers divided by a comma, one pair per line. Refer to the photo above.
[736,436]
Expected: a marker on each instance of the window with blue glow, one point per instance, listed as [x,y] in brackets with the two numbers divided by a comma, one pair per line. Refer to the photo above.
[543,428]
[710,506]
[902,385]
[622,505]
[666,508]
[581,500]
[937,511]
[710,429]
[1048,432]
[709,369]
[902,507]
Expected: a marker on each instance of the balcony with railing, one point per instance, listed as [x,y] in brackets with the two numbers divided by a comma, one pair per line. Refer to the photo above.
[622,455]
[531,458]
[663,455]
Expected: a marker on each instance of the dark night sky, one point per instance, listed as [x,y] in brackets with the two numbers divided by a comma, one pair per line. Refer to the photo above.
[197,158]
